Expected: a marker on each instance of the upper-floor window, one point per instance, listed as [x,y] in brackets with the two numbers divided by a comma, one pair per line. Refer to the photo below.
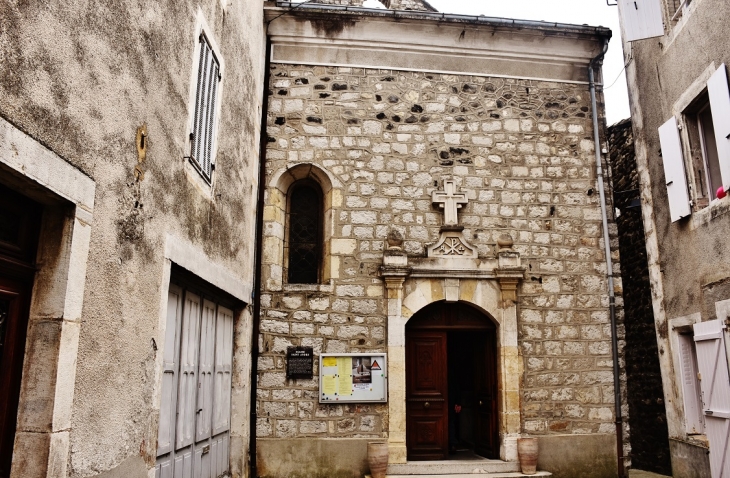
[705,175]
[304,233]
[703,150]
[201,137]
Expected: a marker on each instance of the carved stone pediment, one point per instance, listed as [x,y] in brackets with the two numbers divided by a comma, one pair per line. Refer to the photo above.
[452,244]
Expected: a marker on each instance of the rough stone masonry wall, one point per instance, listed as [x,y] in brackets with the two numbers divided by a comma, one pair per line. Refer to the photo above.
[391,4]
[647,414]
[520,149]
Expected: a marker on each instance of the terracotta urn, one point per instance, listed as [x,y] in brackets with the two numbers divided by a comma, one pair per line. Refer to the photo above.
[378,459]
[527,454]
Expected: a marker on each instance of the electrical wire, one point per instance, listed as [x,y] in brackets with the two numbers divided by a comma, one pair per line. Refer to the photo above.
[619,73]
[288,11]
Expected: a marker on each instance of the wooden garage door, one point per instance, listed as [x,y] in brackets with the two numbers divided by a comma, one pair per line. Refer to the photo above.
[194,430]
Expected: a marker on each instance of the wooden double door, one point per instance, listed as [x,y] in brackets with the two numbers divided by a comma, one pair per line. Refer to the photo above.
[451,360]
[193,439]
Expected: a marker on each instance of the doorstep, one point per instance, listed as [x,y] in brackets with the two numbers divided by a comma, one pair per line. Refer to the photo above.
[458,469]
[473,475]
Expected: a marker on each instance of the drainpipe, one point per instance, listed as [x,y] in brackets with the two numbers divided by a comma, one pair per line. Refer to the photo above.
[259,252]
[609,264]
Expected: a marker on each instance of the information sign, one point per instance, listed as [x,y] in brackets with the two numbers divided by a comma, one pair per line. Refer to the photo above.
[360,377]
[299,362]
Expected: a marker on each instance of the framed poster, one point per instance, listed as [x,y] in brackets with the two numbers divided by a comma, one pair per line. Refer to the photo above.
[358,377]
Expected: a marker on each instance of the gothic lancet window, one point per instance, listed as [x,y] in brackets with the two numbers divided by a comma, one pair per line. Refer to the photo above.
[304,245]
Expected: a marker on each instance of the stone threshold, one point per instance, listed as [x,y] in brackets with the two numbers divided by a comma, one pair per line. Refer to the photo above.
[457,469]
[515,474]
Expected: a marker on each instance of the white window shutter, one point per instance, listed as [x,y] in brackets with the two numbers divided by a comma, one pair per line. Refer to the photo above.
[674,170]
[641,19]
[715,382]
[690,386]
[720,106]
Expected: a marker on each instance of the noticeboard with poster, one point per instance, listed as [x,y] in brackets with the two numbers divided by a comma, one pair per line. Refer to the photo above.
[359,377]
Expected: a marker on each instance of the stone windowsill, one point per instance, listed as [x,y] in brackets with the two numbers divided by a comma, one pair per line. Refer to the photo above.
[327,288]
[716,208]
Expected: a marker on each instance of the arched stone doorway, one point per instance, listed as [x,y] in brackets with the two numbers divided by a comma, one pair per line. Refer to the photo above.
[451,383]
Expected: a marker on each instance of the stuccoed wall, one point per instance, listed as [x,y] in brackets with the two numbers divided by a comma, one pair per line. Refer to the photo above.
[80,78]
[521,150]
[686,257]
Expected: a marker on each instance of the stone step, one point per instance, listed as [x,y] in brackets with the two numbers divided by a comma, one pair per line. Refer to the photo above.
[473,475]
[458,469]
[453,467]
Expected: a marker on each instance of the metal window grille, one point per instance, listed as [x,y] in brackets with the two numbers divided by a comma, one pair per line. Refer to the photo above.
[305,225]
[201,137]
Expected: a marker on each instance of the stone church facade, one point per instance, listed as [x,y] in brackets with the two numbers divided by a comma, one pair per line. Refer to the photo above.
[456,167]
[429,191]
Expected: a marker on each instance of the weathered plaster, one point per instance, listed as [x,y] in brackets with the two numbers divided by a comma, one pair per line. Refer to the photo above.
[47,392]
[664,75]
[80,81]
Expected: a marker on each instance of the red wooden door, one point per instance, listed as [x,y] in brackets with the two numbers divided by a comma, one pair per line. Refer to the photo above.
[426,396]
[473,336]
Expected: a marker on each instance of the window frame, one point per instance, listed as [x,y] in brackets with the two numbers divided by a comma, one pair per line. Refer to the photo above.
[203,34]
[682,329]
[681,143]
[697,149]
[315,186]
[675,12]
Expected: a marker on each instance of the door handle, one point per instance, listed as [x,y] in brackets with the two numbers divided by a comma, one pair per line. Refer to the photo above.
[426,405]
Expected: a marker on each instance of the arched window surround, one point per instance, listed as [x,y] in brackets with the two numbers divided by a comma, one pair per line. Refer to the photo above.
[303,244]
[279,187]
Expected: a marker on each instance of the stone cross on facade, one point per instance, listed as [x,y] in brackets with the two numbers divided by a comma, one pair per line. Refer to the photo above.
[450,201]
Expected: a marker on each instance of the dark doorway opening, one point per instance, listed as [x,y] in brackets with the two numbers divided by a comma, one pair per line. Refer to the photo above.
[19,229]
[451,386]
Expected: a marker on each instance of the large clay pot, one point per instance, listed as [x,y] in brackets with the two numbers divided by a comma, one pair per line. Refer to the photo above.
[527,453]
[378,459]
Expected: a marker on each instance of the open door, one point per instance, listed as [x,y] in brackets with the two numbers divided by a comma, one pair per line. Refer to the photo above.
[486,441]
[19,228]
[451,352]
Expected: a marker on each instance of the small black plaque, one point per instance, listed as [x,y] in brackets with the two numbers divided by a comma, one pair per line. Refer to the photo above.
[299,362]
